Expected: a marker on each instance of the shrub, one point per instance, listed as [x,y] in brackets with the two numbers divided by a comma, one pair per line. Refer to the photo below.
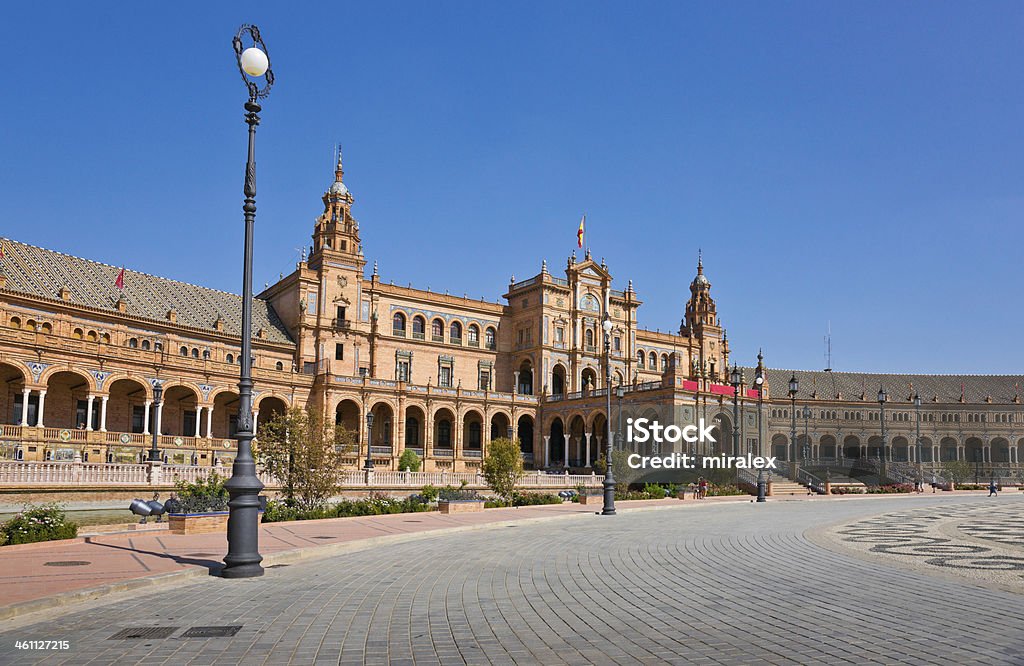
[654,491]
[451,494]
[430,492]
[375,505]
[535,499]
[47,522]
[847,490]
[409,460]
[201,496]
[724,490]
[891,488]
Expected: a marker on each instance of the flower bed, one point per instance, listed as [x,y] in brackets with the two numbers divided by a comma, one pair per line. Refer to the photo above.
[891,488]
[47,522]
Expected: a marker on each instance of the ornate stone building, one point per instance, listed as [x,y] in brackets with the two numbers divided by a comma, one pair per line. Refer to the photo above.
[442,375]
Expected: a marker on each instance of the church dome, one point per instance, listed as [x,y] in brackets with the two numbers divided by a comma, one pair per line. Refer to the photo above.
[338,187]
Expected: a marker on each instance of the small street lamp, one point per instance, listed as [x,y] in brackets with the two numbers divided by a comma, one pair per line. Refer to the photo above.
[158,394]
[243,558]
[609,477]
[794,387]
[759,384]
[735,378]
[883,397]
[369,441]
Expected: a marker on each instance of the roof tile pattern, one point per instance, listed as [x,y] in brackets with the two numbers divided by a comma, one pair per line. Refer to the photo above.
[41,272]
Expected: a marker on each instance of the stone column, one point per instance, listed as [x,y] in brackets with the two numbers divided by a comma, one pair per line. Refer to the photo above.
[586,438]
[547,451]
[145,418]
[209,422]
[25,395]
[515,382]
[103,413]
[42,403]
[199,419]
[88,412]
[566,462]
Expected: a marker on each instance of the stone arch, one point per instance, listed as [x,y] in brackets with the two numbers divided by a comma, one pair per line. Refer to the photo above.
[974,450]
[13,378]
[382,432]
[851,446]
[444,428]
[927,450]
[577,428]
[126,404]
[558,379]
[901,449]
[827,447]
[780,446]
[525,377]
[556,442]
[722,432]
[348,414]
[271,406]
[415,424]
[949,449]
[179,413]
[875,447]
[473,430]
[500,421]
[47,374]
[1000,450]
[524,433]
[66,399]
[598,436]
[588,379]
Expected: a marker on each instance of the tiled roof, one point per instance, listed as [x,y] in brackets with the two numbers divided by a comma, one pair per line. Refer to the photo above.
[820,385]
[41,272]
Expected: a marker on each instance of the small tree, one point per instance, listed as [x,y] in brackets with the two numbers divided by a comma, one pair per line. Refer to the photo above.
[957,470]
[624,474]
[305,451]
[409,461]
[503,467]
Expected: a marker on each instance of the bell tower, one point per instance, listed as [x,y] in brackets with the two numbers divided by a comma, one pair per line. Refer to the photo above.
[336,232]
[701,324]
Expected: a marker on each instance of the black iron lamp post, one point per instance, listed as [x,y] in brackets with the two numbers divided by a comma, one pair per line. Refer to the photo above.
[369,441]
[609,477]
[794,387]
[883,397]
[158,394]
[735,379]
[807,439]
[243,558]
[759,383]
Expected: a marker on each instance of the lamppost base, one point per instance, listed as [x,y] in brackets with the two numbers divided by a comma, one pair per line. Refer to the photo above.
[609,498]
[252,570]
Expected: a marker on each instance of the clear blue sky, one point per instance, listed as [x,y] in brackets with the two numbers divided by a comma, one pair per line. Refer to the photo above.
[859,163]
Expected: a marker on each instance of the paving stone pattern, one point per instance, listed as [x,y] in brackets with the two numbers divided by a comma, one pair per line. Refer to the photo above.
[727,584]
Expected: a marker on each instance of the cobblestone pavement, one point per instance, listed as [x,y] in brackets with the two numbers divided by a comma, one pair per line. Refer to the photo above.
[729,583]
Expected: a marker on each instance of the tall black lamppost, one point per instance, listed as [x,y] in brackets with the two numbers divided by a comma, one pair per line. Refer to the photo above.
[759,383]
[794,387]
[609,477]
[735,378]
[158,394]
[620,393]
[369,441]
[920,461]
[883,397]
[243,558]
[807,439]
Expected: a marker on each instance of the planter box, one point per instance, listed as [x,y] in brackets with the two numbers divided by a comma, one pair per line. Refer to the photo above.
[587,499]
[460,506]
[198,523]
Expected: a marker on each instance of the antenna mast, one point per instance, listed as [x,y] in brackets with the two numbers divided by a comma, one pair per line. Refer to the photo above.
[828,347]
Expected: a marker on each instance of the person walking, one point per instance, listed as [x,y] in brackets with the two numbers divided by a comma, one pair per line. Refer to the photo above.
[992,489]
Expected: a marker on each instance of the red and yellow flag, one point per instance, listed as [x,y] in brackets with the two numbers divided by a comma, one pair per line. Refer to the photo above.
[581,231]
[2,251]
[119,282]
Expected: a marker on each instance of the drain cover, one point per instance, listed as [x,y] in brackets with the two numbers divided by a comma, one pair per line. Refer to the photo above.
[211,632]
[143,632]
[66,563]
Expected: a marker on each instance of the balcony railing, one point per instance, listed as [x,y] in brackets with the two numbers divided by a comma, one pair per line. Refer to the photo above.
[455,341]
[436,338]
[398,332]
[443,452]
[341,324]
[418,335]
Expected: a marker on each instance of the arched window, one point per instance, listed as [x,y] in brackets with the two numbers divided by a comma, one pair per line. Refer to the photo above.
[490,338]
[455,333]
[78,334]
[184,351]
[640,358]
[473,333]
[206,354]
[437,330]
[133,343]
[105,338]
[92,337]
[30,325]
[230,358]
[652,361]
[15,322]
[398,324]
[664,361]
[419,327]
[412,432]
[279,366]
[195,352]
[444,433]
[474,435]
[588,337]
[145,344]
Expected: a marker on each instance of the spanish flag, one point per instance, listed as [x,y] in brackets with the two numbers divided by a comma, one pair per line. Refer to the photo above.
[119,282]
[580,232]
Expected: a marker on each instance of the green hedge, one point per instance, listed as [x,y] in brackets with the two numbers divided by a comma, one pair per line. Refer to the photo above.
[524,499]
[374,505]
[47,522]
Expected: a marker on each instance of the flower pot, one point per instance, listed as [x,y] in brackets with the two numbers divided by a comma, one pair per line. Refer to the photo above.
[460,506]
[198,523]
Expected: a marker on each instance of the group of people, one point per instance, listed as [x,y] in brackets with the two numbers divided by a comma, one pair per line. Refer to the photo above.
[699,489]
